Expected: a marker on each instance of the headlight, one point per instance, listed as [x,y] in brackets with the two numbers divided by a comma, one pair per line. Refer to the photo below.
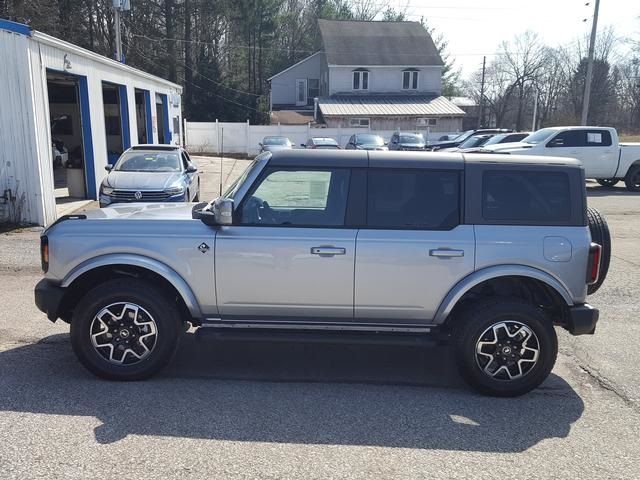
[174,190]
[106,190]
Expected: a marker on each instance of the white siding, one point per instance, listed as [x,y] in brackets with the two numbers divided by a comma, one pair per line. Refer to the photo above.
[283,86]
[25,158]
[384,80]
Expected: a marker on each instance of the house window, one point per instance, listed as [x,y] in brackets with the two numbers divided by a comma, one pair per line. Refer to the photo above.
[426,122]
[410,80]
[313,88]
[359,122]
[360,80]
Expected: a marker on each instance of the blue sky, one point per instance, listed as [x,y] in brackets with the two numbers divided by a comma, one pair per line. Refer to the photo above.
[476,27]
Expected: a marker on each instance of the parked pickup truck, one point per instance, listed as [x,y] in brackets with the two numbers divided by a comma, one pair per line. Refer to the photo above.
[603,157]
[482,251]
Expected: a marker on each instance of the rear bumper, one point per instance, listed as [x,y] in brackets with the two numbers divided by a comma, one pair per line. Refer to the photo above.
[48,298]
[582,319]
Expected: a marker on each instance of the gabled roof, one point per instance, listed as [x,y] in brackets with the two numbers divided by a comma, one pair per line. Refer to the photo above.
[362,43]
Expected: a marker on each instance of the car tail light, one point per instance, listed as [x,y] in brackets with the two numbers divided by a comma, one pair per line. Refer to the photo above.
[44,252]
[593,266]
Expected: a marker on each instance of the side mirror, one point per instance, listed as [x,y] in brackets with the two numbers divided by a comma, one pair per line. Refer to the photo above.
[217,214]
[192,168]
[260,143]
[303,145]
[108,167]
[386,144]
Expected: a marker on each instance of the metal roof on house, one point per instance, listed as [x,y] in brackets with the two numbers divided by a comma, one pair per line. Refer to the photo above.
[360,43]
[387,105]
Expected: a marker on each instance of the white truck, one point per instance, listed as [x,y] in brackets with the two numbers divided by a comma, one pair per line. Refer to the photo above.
[604,158]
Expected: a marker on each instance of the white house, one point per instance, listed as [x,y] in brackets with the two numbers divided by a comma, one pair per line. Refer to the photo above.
[376,75]
[56,92]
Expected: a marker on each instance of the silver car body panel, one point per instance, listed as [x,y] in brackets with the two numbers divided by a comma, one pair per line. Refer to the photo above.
[405,274]
[271,271]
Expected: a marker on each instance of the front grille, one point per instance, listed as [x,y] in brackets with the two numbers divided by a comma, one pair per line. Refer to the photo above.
[147,196]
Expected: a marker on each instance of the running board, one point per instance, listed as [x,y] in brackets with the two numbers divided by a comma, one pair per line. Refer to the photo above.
[218,323]
[316,336]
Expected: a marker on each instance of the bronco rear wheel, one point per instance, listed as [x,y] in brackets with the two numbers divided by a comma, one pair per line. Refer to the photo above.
[504,347]
[125,329]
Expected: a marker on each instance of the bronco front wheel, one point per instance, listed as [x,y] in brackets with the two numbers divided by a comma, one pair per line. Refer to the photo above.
[125,329]
[504,347]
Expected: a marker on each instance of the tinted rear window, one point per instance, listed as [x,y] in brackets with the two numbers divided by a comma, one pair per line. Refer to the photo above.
[526,196]
[413,199]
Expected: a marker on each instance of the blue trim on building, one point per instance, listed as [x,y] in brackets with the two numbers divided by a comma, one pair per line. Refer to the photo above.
[124,116]
[148,115]
[15,27]
[165,116]
[87,138]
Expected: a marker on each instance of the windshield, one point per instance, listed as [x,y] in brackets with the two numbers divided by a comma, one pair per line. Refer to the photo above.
[539,136]
[235,186]
[413,138]
[324,141]
[365,139]
[464,135]
[474,141]
[275,141]
[496,139]
[149,162]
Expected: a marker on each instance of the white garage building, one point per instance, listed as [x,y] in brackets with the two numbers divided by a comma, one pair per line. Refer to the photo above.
[62,104]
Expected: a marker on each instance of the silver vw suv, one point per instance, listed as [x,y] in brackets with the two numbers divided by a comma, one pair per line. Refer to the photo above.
[486,252]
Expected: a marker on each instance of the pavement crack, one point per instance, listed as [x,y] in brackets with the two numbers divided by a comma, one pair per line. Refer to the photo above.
[609,386]
[625,260]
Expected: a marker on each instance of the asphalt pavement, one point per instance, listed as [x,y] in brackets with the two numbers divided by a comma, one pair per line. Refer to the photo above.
[229,409]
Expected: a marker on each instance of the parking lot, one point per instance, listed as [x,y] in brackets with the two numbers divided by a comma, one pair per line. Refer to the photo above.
[262,410]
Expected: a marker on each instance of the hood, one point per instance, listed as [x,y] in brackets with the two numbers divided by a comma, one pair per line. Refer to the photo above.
[274,148]
[143,211]
[371,146]
[507,147]
[141,180]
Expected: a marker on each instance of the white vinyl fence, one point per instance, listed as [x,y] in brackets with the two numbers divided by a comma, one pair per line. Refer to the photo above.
[239,137]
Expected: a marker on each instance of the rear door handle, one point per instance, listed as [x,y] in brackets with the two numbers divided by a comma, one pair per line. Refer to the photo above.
[328,251]
[446,253]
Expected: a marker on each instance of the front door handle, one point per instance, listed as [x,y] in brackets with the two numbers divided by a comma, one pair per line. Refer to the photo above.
[328,251]
[446,253]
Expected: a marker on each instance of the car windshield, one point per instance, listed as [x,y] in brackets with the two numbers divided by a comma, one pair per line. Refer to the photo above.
[475,141]
[275,141]
[366,139]
[539,136]
[415,138]
[324,141]
[149,162]
[496,139]
[463,136]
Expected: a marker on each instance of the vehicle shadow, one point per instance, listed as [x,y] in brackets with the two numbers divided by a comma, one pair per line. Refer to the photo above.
[617,191]
[310,394]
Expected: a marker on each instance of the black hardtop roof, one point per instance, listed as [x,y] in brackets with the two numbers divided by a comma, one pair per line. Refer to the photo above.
[390,159]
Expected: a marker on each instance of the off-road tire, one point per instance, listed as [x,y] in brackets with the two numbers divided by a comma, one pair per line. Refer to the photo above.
[608,182]
[632,180]
[472,322]
[599,234]
[153,301]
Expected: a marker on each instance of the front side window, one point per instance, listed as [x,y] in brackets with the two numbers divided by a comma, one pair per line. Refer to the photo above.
[526,196]
[305,197]
[410,80]
[413,199]
[570,138]
[361,80]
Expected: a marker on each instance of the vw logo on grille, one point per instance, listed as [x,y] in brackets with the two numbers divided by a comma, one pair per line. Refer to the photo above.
[138,195]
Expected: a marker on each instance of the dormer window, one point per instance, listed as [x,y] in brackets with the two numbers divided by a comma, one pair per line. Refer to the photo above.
[360,79]
[410,79]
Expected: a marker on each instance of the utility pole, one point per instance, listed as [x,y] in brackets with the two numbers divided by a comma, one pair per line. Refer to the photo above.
[481,115]
[119,6]
[535,109]
[587,82]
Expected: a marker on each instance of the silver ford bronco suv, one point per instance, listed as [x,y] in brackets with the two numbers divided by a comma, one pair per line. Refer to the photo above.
[486,252]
